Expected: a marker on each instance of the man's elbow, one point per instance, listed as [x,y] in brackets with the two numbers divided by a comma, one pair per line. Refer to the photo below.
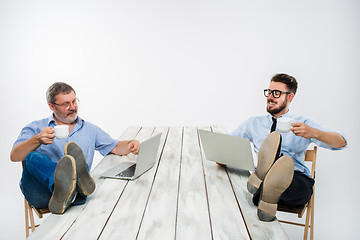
[342,143]
[14,157]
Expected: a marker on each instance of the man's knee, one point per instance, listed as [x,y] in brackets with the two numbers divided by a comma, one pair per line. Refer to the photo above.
[34,158]
[39,163]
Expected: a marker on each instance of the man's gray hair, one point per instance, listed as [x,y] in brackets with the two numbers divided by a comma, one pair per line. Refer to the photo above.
[55,89]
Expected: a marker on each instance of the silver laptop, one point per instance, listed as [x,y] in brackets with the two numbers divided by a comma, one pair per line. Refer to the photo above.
[145,160]
[229,150]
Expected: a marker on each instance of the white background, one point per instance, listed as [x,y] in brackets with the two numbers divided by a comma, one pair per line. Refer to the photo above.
[185,63]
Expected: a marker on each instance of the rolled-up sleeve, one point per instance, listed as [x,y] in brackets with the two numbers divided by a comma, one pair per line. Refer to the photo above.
[104,143]
[317,125]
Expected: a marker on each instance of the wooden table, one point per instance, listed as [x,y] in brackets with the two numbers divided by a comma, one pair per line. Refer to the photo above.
[183,196]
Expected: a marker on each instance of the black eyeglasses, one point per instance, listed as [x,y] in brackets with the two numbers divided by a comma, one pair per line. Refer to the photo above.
[67,105]
[275,93]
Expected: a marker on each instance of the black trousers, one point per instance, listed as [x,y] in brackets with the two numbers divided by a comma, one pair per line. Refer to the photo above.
[297,194]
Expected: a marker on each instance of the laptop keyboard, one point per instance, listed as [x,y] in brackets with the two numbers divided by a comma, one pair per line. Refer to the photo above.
[129,172]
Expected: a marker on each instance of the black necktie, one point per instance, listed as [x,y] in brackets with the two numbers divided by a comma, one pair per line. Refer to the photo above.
[273,126]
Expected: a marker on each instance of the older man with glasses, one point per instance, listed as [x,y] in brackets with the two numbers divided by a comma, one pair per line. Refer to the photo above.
[56,171]
[281,175]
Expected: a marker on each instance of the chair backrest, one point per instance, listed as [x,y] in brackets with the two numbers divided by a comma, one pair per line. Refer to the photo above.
[310,156]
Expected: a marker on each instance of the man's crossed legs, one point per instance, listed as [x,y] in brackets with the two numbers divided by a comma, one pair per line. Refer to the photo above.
[56,186]
[274,180]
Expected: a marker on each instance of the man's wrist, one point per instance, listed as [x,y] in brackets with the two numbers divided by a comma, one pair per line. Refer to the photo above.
[38,140]
[316,133]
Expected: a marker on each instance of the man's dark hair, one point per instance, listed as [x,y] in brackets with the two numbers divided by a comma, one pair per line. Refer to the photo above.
[290,81]
[55,89]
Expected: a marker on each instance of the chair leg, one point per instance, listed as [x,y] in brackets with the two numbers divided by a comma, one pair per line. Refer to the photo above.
[312,219]
[32,222]
[29,216]
[309,214]
[306,230]
[26,218]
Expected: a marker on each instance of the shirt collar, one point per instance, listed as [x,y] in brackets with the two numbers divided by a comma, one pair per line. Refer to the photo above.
[51,121]
[288,114]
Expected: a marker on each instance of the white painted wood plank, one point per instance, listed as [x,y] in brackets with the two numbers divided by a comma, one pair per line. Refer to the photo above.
[226,218]
[94,216]
[98,211]
[193,215]
[126,218]
[257,229]
[55,226]
[160,216]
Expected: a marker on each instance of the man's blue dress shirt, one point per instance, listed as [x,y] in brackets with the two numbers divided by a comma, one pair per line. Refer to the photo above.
[256,129]
[87,135]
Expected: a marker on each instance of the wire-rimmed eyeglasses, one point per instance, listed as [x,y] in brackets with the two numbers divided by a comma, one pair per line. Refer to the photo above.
[67,105]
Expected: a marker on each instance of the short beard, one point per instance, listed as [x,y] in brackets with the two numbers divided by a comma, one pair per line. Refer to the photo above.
[63,119]
[277,110]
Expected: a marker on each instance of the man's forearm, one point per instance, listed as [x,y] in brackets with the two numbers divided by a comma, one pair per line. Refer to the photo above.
[332,139]
[21,150]
[121,148]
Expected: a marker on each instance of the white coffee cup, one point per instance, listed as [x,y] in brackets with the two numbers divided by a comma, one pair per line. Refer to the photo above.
[284,124]
[61,131]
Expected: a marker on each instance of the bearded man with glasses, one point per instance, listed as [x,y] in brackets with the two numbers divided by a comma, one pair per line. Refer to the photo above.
[281,176]
[56,171]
